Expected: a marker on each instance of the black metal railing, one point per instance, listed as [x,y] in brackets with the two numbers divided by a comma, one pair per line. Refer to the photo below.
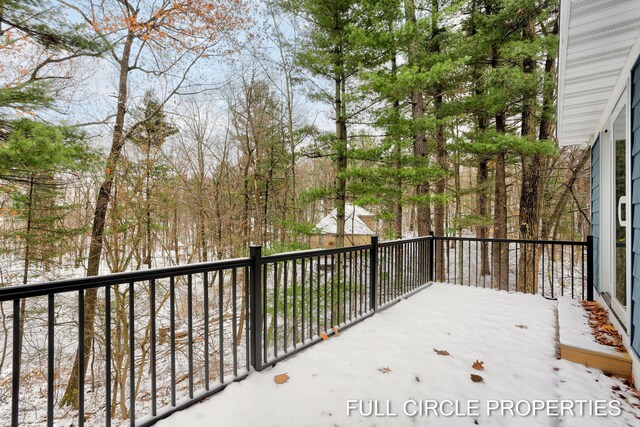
[549,268]
[301,296]
[164,339]
[161,339]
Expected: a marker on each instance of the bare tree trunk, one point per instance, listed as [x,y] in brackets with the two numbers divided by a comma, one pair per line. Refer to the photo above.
[97,233]
[500,252]
[532,187]
[482,209]
[531,176]
[341,138]
[397,208]
[441,152]
[423,207]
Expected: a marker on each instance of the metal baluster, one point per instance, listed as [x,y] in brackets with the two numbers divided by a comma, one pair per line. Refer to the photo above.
[518,262]
[15,368]
[50,360]
[152,360]
[234,326]
[205,292]
[553,268]
[107,356]
[325,292]
[81,358]
[582,249]
[344,288]
[275,309]
[361,258]
[333,304]
[445,246]
[172,327]
[265,287]
[246,322]
[562,270]
[302,308]
[295,303]
[286,308]
[190,331]
[338,290]
[318,295]
[477,276]
[572,275]
[525,269]
[132,358]
[221,322]
[350,284]
[468,258]
[310,297]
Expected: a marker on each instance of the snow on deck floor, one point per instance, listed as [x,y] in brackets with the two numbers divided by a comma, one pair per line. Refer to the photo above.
[469,323]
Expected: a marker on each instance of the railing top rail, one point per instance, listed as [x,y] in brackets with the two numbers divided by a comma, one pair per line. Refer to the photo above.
[288,256]
[61,286]
[490,239]
[409,240]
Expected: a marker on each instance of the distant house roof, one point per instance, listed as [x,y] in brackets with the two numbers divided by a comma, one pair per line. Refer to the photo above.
[353,224]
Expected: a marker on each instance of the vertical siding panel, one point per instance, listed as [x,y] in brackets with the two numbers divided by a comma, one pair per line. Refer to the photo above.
[595,210]
[635,211]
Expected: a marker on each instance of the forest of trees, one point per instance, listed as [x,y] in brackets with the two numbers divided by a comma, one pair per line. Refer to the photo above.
[139,134]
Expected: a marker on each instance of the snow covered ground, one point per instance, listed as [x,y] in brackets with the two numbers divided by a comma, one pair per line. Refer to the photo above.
[390,361]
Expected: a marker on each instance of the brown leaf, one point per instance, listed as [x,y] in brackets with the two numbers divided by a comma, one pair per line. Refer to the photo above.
[442,352]
[385,370]
[324,336]
[335,330]
[521,326]
[476,378]
[478,365]
[281,379]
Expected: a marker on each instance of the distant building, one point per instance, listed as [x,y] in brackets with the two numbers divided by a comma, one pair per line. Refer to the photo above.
[359,226]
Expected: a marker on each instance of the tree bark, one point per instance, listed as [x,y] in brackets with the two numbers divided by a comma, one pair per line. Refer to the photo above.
[500,252]
[482,210]
[70,397]
[341,134]
[532,186]
[441,152]
[423,208]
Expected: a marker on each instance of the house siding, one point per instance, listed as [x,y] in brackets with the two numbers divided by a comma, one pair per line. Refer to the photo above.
[595,210]
[635,210]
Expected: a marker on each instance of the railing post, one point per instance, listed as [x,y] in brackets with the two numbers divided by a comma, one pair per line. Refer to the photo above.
[432,256]
[255,306]
[373,274]
[590,263]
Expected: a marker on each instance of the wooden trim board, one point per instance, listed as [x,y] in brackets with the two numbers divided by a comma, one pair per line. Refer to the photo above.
[616,364]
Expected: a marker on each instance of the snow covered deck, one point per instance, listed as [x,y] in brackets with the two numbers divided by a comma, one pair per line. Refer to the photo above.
[390,360]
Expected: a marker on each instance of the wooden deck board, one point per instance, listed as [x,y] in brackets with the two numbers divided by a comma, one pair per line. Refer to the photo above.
[615,364]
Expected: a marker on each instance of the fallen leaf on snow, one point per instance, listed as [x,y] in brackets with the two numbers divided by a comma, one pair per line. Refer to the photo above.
[385,370]
[335,330]
[442,352]
[324,335]
[478,365]
[476,378]
[521,326]
[281,379]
